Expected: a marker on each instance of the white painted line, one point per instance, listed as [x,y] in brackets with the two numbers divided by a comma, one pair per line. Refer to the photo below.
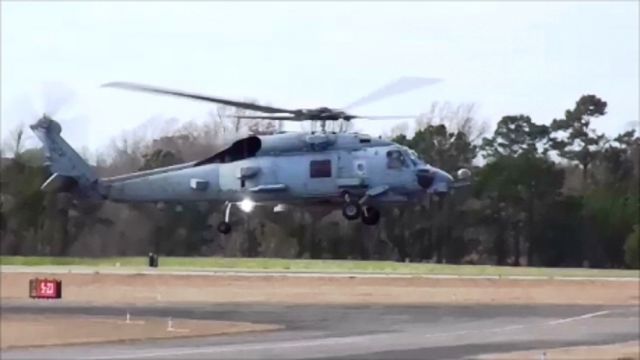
[461,332]
[585,316]
[512,327]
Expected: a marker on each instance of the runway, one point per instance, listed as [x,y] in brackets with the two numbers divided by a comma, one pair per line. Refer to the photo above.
[354,332]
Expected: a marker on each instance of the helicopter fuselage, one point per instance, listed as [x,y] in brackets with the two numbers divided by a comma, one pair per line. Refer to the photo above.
[291,168]
[288,168]
[308,168]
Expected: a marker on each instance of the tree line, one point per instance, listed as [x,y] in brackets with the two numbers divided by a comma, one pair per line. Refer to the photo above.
[561,194]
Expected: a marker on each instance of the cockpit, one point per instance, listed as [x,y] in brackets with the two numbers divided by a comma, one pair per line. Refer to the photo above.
[403,157]
[414,157]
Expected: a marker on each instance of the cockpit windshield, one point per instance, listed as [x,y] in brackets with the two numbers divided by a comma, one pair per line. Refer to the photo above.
[413,156]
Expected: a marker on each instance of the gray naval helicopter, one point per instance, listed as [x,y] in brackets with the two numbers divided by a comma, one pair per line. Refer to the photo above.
[320,168]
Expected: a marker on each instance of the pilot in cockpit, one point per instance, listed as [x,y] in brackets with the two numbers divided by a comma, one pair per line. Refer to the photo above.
[395,159]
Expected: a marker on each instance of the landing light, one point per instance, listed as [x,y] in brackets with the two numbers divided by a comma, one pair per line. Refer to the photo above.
[464,173]
[247,205]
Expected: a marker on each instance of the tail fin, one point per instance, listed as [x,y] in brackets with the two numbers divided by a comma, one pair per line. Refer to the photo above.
[69,171]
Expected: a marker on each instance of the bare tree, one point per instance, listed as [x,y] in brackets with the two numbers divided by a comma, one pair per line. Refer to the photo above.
[124,153]
[457,118]
[400,129]
[14,142]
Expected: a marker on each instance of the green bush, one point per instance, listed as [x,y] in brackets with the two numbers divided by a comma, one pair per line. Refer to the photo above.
[632,248]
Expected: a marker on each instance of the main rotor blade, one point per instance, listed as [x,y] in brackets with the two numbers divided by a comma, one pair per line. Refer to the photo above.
[266,117]
[308,118]
[396,87]
[157,90]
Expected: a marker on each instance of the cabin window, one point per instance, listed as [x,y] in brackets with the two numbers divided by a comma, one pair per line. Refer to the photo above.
[320,169]
[395,159]
[239,150]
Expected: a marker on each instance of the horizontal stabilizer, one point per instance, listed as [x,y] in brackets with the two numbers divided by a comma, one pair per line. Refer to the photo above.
[460,184]
[59,183]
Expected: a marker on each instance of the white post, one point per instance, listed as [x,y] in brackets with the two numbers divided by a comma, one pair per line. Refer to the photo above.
[128,318]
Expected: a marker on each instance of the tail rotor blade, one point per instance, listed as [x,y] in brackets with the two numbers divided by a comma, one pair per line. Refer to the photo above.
[56,99]
[51,99]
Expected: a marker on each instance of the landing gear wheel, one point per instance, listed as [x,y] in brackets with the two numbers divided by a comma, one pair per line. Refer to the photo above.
[224,227]
[351,210]
[371,216]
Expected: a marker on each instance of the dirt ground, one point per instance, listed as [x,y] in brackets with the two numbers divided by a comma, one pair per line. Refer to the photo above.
[31,330]
[625,351]
[144,289]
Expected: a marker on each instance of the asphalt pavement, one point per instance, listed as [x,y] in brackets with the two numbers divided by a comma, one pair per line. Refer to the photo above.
[353,332]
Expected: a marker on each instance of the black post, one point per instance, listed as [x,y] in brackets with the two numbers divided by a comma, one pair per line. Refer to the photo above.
[153,260]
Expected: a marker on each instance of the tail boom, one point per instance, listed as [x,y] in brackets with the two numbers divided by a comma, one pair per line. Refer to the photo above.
[70,172]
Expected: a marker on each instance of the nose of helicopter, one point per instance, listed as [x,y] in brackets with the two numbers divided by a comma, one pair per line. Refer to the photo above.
[434,179]
[444,176]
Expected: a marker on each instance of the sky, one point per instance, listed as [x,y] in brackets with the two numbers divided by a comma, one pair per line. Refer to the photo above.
[507,57]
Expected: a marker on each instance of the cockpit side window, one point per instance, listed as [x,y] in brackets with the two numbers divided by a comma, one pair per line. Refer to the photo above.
[413,157]
[395,159]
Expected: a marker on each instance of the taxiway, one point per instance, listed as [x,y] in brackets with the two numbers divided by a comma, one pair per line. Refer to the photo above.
[354,331]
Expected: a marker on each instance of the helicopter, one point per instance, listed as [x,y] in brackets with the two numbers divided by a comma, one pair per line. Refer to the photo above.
[351,170]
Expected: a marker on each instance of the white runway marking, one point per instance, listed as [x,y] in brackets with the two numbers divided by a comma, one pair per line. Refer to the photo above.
[319,342]
[512,327]
[585,316]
